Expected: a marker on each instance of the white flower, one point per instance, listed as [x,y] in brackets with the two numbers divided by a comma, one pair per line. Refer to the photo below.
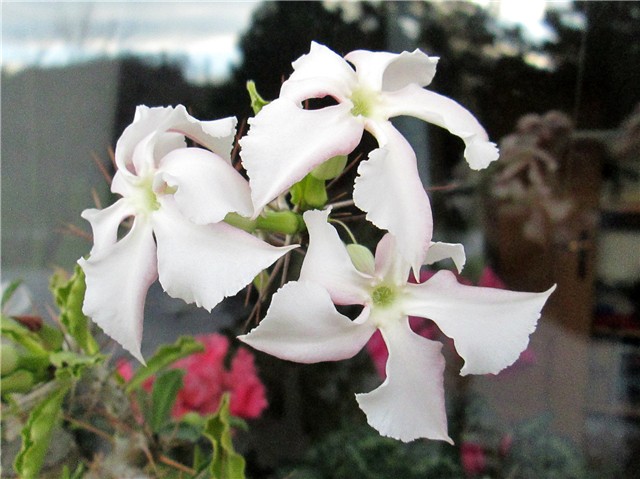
[490,327]
[178,197]
[286,141]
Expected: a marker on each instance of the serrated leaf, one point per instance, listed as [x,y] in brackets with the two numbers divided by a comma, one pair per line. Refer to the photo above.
[226,463]
[36,434]
[163,357]
[69,296]
[163,397]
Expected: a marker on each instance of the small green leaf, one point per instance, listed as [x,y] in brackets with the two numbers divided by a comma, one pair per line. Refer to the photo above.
[163,357]
[9,290]
[226,463]
[163,397]
[36,434]
[69,296]
[17,333]
[257,102]
[72,362]
[309,193]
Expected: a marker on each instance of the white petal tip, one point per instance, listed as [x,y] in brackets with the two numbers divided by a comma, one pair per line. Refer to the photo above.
[479,153]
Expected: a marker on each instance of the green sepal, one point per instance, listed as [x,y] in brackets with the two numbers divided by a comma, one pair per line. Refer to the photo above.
[309,193]
[36,434]
[163,357]
[257,102]
[331,168]
[163,397]
[226,463]
[286,222]
[69,296]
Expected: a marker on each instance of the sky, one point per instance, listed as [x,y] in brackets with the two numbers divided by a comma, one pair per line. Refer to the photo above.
[203,35]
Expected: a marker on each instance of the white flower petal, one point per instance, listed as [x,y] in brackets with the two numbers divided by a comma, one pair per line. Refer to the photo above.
[446,113]
[303,325]
[392,71]
[286,142]
[207,186]
[439,251]
[105,223]
[490,327]
[410,402]
[403,209]
[327,262]
[118,279]
[319,73]
[203,264]
[390,265]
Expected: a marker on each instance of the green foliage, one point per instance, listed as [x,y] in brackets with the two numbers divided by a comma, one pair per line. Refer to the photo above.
[8,292]
[36,433]
[163,397]
[257,102]
[163,357]
[330,169]
[69,295]
[226,463]
[359,451]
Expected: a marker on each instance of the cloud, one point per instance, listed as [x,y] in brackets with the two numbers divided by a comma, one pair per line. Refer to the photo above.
[55,33]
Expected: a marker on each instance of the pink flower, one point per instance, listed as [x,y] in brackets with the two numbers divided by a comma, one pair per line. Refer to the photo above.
[207,379]
[473,458]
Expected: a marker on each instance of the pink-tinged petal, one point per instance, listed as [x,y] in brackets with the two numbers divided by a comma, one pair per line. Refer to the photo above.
[207,186]
[403,209]
[319,73]
[203,264]
[105,223]
[410,402]
[302,325]
[446,113]
[118,279]
[285,143]
[439,251]
[327,262]
[392,71]
[490,327]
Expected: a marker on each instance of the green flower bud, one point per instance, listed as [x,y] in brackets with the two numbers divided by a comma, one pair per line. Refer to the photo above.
[286,222]
[362,258]
[20,381]
[9,359]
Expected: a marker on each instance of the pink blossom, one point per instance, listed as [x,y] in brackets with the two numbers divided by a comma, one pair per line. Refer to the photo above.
[473,458]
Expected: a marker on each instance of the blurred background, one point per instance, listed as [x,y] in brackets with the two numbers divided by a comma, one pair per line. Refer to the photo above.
[556,84]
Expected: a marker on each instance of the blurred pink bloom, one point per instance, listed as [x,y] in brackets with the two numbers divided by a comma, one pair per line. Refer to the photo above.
[207,379]
[473,458]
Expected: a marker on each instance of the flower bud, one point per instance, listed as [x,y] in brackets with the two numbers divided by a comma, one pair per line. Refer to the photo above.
[331,168]
[362,258]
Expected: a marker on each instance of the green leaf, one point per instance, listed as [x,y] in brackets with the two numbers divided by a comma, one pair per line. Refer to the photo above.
[257,102]
[69,296]
[9,290]
[36,434]
[309,193]
[163,397]
[72,362]
[17,333]
[226,463]
[163,357]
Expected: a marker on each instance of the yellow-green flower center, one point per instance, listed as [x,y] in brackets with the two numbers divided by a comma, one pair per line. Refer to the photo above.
[147,197]
[363,102]
[383,296]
